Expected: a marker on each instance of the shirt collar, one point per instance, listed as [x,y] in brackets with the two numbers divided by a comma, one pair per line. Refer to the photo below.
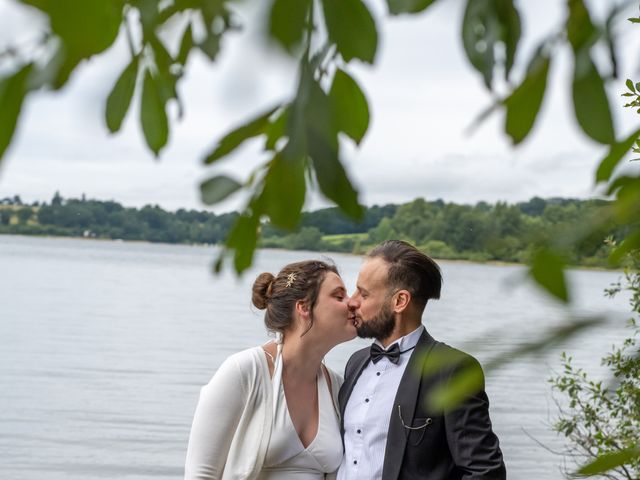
[410,340]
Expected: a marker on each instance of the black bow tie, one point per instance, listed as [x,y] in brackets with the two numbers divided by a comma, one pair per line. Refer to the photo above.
[393,353]
[377,352]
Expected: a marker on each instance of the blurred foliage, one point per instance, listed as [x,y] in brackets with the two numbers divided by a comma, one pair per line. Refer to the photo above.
[469,376]
[303,136]
[601,421]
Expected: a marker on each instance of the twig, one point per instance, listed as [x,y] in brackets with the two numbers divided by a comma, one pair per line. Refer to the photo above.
[540,444]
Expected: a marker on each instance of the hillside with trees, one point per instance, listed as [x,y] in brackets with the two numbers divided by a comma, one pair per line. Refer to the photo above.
[480,232]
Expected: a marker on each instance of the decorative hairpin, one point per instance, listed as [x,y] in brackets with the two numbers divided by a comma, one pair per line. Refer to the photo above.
[290,279]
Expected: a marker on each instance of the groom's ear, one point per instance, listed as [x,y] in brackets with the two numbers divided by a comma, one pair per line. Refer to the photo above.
[402,300]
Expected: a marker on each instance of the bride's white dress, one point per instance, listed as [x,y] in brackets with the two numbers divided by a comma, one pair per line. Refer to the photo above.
[286,457]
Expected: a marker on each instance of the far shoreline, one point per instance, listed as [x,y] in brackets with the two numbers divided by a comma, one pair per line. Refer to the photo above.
[499,263]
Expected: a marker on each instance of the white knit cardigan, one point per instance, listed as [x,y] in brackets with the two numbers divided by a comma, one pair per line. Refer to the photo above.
[232,423]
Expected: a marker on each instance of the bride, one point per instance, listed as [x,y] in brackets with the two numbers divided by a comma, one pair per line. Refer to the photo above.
[270,412]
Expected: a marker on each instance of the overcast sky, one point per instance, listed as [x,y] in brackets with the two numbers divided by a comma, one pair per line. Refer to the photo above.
[422,94]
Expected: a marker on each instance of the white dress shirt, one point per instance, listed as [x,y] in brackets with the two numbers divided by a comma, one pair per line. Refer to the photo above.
[368,411]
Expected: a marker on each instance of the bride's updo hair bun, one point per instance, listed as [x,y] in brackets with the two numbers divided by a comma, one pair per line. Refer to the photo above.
[262,290]
[278,294]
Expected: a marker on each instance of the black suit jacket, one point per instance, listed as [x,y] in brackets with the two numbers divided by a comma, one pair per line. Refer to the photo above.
[455,444]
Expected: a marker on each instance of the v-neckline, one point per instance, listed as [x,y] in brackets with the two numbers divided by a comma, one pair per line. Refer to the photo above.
[293,425]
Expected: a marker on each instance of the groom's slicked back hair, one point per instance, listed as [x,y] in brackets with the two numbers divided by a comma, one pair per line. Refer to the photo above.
[410,269]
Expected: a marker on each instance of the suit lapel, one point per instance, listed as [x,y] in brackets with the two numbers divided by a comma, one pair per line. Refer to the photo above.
[406,399]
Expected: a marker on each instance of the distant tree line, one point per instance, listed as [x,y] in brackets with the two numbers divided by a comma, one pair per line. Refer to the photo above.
[109,219]
[480,232]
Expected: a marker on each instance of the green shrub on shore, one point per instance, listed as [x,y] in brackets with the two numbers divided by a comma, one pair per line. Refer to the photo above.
[598,418]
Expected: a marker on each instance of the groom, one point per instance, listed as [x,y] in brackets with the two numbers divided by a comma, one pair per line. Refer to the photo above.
[389,429]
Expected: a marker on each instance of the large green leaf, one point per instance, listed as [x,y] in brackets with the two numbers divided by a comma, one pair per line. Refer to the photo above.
[580,30]
[86,27]
[322,142]
[153,117]
[626,213]
[547,269]
[120,97]
[352,28]
[165,78]
[512,30]
[213,13]
[284,191]
[524,103]
[617,151]
[288,21]
[210,46]
[469,378]
[590,102]
[277,129]
[318,115]
[608,461]
[396,7]
[161,55]
[186,44]
[12,93]
[243,239]
[485,25]
[218,188]
[298,116]
[620,183]
[468,381]
[332,178]
[149,11]
[236,137]
[479,36]
[349,106]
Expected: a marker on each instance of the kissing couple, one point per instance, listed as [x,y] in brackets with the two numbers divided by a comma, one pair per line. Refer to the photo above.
[276,412]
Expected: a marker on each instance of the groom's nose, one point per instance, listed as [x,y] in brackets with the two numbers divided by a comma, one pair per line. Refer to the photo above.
[354,301]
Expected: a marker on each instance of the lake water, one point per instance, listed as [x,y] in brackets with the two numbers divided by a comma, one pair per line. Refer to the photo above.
[105,345]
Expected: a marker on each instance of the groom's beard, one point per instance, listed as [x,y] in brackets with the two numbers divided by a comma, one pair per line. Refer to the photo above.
[380,326]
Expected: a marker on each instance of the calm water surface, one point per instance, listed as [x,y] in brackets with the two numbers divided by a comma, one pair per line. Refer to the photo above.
[105,345]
